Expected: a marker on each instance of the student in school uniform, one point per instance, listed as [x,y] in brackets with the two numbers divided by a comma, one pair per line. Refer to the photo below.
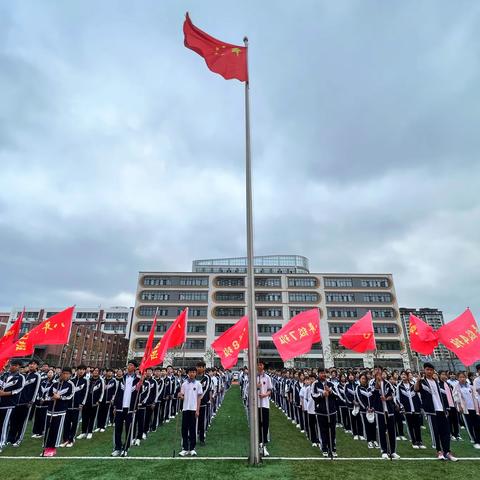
[323,393]
[28,395]
[191,393]
[363,396]
[125,404]
[60,395]
[105,407]
[446,391]
[436,412]
[313,432]
[96,388]
[409,402]
[467,404]
[353,407]
[41,405]
[206,382]
[11,385]
[384,406]
[264,391]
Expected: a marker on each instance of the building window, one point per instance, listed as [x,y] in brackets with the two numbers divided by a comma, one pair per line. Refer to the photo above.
[230,296]
[117,315]
[196,328]
[378,313]
[269,312]
[296,310]
[374,282]
[392,345]
[268,297]
[194,312]
[194,281]
[340,297]
[271,282]
[222,327]
[195,344]
[155,296]
[266,345]
[303,297]
[87,315]
[229,311]
[149,311]
[386,329]
[338,282]
[302,282]
[230,282]
[193,296]
[342,313]
[157,281]
[377,298]
[268,328]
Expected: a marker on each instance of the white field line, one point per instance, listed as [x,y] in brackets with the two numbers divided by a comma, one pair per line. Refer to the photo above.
[323,459]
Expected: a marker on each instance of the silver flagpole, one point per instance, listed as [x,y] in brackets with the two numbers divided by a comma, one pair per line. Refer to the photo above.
[254,457]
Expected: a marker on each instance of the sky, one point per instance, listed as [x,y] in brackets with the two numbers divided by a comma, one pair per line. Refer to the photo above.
[121,152]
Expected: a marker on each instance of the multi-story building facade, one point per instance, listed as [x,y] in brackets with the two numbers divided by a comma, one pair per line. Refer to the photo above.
[4,317]
[432,317]
[216,294]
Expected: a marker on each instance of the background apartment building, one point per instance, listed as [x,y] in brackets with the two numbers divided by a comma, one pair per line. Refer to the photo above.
[215,292]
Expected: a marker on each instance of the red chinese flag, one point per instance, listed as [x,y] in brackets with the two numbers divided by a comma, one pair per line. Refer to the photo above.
[462,337]
[149,345]
[12,334]
[360,336]
[174,336]
[230,61]
[423,338]
[228,345]
[298,335]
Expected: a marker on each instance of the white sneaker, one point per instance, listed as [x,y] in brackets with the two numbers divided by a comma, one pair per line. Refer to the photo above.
[64,444]
[451,458]
[362,437]
[298,426]
[415,446]
[302,431]
[17,444]
[89,436]
[440,456]
[404,437]
[137,442]
[375,444]
[395,456]
[356,437]
[69,445]
[81,436]
[398,438]
[144,436]
[476,445]
[265,452]
[385,456]
[36,435]
[314,445]
[184,453]
[371,445]
[96,430]
[102,430]
[422,446]
[116,453]
[124,453]
[193,453]
[325,454]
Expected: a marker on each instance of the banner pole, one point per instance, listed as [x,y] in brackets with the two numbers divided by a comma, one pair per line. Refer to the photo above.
[254,457]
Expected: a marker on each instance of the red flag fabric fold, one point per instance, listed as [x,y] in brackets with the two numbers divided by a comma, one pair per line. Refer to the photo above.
[423,338]
[149,345]
[231,343]
[12,334]
[360,336]
[229,61]
[462,337]
[174,336]
[298,335]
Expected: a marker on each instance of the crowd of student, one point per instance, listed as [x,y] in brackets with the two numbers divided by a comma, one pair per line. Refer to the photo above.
[377,406]
[66,405]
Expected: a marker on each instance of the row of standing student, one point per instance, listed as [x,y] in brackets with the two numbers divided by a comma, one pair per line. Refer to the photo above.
[60,403]
[375,409]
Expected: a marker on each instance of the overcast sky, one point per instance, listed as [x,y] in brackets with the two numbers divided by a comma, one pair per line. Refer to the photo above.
[120,151]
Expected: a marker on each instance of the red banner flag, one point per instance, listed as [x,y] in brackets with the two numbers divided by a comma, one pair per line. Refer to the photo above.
[228,345]
[174,336]
[52,331]
[298,335]
[12,334]
[149,345]
[360,336]
[423,338]
[462,337]
[230,61]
